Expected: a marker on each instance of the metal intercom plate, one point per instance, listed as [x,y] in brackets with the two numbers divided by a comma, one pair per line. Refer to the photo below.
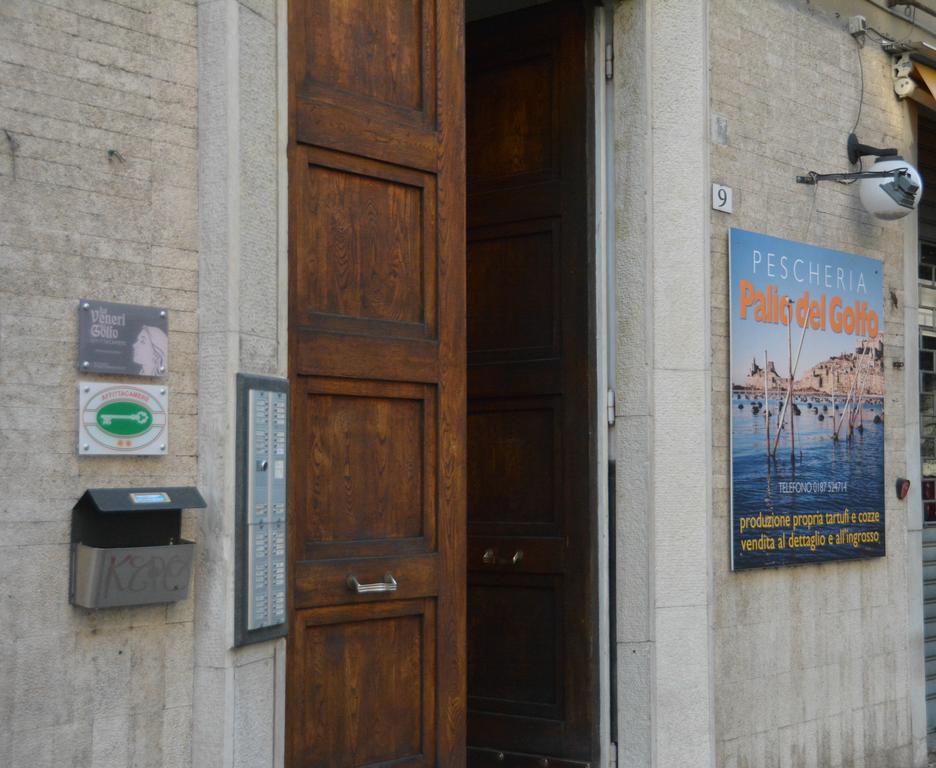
[262,447]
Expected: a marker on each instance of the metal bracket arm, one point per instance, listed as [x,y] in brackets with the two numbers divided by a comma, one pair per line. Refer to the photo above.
[814,178]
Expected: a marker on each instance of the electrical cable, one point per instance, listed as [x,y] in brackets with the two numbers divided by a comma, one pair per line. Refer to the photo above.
[883,39]
[861,80]
[849,182]
[860,100]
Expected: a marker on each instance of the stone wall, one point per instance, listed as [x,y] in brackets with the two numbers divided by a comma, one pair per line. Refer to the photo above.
[814,665]
[98,177]
[663,385]
[239,694]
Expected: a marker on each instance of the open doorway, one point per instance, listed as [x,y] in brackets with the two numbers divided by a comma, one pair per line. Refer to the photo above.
[532,597]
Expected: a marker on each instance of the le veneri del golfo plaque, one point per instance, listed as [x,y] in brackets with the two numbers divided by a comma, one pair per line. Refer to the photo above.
[125,339]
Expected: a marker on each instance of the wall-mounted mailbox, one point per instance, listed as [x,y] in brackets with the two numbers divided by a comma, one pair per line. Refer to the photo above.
[127,547]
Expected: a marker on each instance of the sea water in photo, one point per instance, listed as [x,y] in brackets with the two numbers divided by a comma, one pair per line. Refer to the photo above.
[826,477]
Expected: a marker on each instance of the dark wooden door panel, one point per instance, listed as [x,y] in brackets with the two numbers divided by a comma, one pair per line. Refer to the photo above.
[531,600]
[365,79]
[516,667]
[339,711]
[370,480]
[513,106]
[514,289]
[378,54]
[366,247]
[376,651]
[515,478]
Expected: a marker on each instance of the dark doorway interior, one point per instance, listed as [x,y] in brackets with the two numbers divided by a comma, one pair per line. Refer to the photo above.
[532,668]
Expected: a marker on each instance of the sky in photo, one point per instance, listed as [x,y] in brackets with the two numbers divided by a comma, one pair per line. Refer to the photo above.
[795,268]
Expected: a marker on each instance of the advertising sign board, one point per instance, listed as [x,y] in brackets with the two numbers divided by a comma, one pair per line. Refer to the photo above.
[807,403]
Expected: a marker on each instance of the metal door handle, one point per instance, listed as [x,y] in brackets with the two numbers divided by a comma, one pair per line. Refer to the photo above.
[490,558]
[387,585]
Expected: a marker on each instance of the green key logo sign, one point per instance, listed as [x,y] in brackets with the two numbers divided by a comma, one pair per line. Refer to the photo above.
[122,419]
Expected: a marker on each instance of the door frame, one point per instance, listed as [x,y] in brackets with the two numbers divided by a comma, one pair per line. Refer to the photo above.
[602,362]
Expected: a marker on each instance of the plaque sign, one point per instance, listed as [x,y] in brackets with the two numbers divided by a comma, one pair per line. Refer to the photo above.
[123,420]
[125,339]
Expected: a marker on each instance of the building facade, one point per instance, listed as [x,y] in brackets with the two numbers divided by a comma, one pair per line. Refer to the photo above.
[218,159]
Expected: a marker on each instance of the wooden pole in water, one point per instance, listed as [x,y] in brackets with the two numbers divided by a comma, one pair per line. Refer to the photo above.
[787,400]
[848,408]
[859,393]
[851,420]
[836,422]
[792,408]
[766,405]
[858,416]
[834,434]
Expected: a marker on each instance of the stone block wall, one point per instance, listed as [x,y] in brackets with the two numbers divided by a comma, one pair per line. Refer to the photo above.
[815,666]
[239,698]
[98,199]
[662,379]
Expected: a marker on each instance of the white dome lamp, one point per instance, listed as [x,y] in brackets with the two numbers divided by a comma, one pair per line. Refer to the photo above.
[890,190]
[894,195]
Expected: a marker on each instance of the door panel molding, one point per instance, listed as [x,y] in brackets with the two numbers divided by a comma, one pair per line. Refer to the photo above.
[377,376]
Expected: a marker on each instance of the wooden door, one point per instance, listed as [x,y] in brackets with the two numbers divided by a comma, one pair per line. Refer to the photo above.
[376,662]
[531,587]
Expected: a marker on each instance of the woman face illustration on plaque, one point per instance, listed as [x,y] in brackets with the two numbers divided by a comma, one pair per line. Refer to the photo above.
[149,351]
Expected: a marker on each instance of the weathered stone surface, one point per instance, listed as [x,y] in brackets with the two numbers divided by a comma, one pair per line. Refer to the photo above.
[98,199]
[812,664]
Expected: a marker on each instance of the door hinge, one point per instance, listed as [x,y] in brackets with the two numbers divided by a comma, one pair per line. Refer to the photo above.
[609,61]
[611,411]
[612,755]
